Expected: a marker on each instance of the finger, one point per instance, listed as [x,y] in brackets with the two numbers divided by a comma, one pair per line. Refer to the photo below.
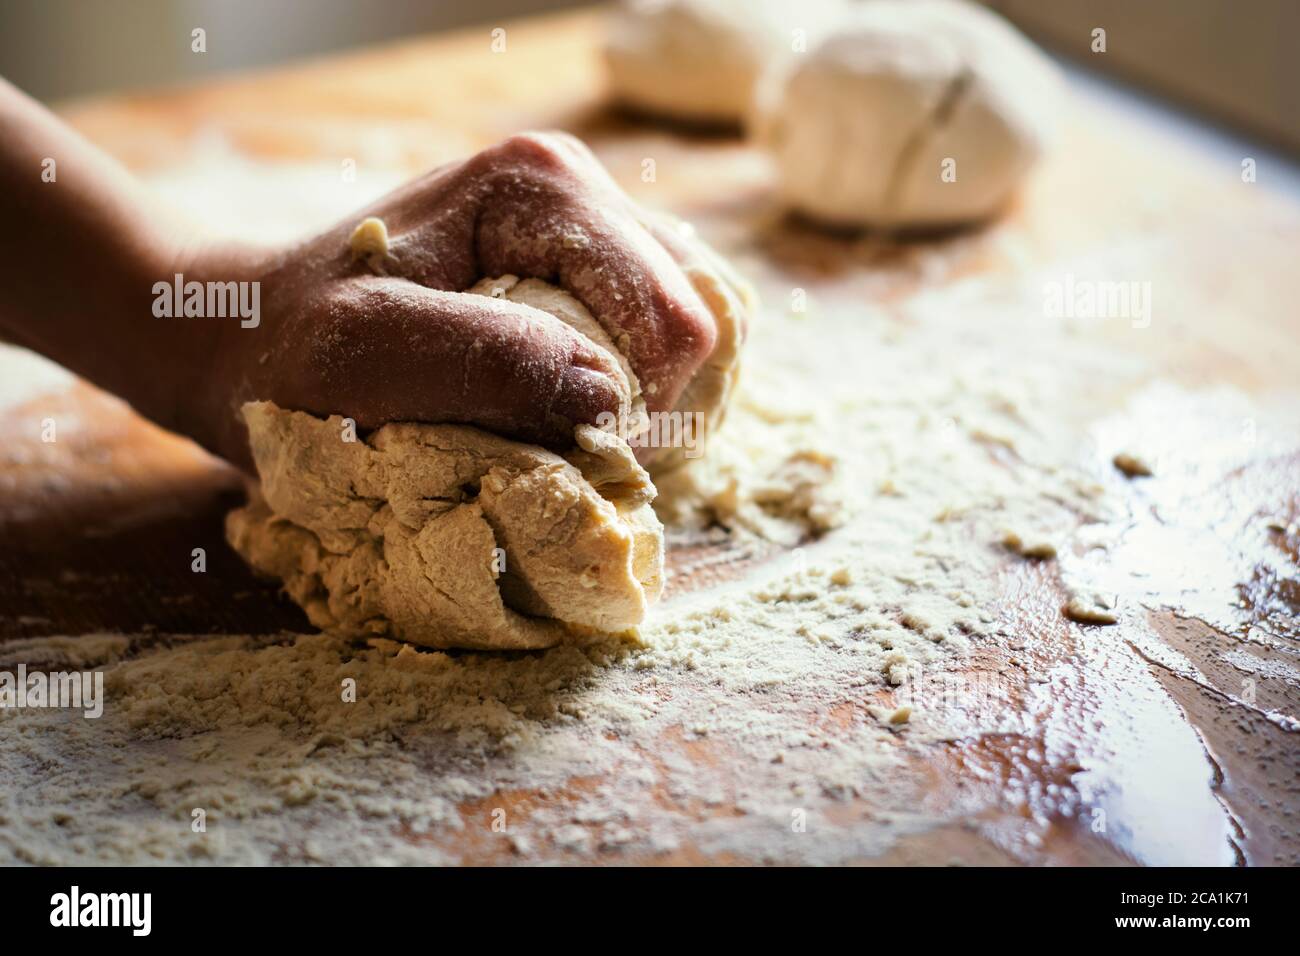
[567,222]
[384,349]
[697,258]
[626,280]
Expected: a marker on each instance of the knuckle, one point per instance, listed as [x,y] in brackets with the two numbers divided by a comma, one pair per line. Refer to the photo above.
[694,332]
[543,152]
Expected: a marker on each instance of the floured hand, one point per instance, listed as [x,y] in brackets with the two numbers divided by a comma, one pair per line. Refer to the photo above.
[377,325]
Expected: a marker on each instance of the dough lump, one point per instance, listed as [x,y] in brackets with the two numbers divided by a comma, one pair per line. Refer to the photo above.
[699,59]
[448,536]
[861,128]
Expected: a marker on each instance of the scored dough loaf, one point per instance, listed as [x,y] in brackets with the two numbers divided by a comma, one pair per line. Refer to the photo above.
[699,60]
[913,114]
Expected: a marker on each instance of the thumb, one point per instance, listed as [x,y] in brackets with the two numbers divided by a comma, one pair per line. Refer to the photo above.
[386,349]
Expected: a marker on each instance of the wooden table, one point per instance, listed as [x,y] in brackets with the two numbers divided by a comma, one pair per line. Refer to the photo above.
[96,529]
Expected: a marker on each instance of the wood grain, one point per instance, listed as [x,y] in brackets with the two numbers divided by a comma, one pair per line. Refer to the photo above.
[96,531]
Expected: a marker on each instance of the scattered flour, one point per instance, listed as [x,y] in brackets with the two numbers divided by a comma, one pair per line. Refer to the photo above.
[883,450]
[746,706]
[25,376]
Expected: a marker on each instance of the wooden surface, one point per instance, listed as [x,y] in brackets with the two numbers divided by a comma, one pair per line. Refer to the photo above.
[96,530]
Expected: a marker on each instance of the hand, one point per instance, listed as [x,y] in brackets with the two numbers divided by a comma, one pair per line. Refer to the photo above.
[410,345]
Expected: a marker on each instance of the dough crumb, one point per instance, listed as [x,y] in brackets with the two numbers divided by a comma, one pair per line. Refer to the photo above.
[1091,608]
[370,242]
[1132,465]
[1036,547]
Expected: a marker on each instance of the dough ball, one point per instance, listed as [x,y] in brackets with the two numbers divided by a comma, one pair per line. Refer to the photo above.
[448,536]
[699,59]
[667,440]
[862,127]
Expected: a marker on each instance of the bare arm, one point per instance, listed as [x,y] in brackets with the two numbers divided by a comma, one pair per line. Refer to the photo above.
[82,245]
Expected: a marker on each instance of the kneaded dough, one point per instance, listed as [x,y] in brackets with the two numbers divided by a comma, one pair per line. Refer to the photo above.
[731,302]
[860,128]
[448,536]
[558,303]
[699,59]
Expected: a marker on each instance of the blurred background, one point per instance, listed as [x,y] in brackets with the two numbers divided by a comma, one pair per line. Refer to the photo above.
[56,49]
[1237,61]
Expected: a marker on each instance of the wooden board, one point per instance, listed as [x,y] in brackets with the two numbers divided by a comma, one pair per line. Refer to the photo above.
[96,530]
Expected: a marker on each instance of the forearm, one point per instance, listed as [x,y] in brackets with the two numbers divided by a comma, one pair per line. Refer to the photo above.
[83,246]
